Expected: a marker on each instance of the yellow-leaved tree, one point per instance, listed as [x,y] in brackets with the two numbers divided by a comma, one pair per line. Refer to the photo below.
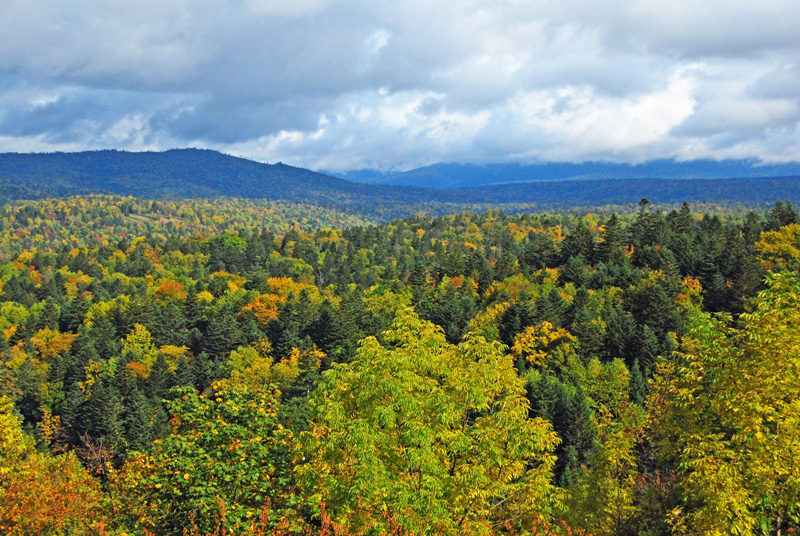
[726,409]
[781,248]
[434,437]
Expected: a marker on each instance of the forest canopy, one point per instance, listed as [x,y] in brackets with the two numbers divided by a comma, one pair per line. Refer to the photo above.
[240,366]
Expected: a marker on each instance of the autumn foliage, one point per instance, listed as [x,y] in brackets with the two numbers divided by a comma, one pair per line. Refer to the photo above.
[241,367]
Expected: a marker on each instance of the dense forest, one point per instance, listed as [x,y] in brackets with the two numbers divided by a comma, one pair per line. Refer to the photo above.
[251,367]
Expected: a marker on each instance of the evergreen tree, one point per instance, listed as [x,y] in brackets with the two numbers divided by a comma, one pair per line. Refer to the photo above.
[71,412]
[160,379]
[648,350]
[48,317]
[717,296]
[681,222]
[571,417]
[222,336]
[138,429]
[751,231]
[612,237]
[573,270]
[418,282]
[546,311]
[27,379]
[589,334]
[73,313]
[516,318]
[203,371]
[650,304]
[780,215]
[324,330]
[170,327]
[192,308]
[638,385]
[105,337]
[620,339]
[579,242]
[101,415]
[183,372]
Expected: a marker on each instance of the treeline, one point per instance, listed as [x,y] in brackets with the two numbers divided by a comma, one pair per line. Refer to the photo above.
[49,225]
[193,173]
[472,373]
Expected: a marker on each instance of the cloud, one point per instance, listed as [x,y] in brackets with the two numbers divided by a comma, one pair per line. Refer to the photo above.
[343,84]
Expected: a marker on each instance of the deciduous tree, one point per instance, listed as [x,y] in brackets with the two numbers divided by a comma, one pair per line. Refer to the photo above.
[434,436]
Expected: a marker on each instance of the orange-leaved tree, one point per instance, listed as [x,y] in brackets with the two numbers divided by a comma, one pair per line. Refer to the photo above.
[41,493]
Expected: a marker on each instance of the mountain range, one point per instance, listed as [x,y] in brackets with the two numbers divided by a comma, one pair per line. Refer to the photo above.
[196,173]
[458,175]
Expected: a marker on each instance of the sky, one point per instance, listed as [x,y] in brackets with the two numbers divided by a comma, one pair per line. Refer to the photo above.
[393,85]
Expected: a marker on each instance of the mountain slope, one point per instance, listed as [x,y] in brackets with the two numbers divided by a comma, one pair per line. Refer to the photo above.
[174,173]
[192,173]
[186,173]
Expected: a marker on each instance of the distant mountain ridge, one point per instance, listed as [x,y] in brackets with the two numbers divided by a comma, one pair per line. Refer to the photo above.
[163,174]
[456,175]
[196,173]
[185,173]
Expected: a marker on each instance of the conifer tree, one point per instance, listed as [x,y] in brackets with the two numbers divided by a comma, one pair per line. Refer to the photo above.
[222,336]
[578,242]
[105,337]
[183,373]
[160,379]
[73,313]
[138,428]
[638,384]
[203,371]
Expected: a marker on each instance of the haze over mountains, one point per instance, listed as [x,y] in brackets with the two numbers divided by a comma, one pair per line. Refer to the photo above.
[194,173]
[456,175]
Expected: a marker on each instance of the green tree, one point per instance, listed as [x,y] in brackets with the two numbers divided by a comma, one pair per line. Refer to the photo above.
[433,436]
[226,458]
[579,242]
[223,335]
[612,237]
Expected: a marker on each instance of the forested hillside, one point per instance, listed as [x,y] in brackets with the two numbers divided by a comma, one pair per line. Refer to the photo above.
[189,367]
[193,173]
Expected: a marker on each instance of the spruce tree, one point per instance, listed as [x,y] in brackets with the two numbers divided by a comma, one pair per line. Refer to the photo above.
[638,385]
[578,242]
[573,270]
[160,379]
[138,428]
[73,313]
[105,337]
[183,372]
[203,371]
[222,336]
[170,326]
[101,415]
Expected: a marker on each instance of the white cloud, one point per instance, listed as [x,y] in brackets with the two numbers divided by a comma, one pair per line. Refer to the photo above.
[353,83]
[596,125]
